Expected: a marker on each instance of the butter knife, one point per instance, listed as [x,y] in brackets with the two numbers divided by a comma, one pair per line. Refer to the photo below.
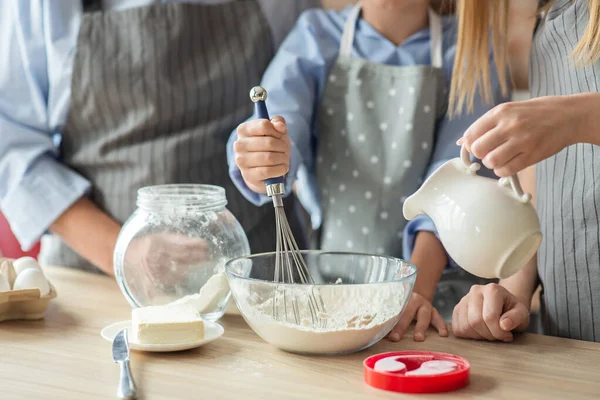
[120,351]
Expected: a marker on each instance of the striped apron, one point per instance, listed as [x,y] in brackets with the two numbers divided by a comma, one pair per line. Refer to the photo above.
[568,186]
[156,91]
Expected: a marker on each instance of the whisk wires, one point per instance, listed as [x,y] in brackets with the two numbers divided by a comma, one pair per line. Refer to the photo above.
[289,259]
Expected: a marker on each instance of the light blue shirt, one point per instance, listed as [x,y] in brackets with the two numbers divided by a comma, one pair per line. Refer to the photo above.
[295,81]
[37,48]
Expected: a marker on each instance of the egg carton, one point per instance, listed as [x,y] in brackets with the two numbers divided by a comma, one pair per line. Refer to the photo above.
[26,304]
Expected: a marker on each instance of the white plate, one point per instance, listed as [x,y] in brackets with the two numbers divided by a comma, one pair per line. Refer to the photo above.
[212,331]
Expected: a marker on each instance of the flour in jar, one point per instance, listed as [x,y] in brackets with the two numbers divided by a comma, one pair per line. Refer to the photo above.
[355,316]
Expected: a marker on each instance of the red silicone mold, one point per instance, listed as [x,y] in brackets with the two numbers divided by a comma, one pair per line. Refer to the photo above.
[399,382]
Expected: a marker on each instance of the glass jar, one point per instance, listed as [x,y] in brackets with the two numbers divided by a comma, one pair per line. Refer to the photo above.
[174,246]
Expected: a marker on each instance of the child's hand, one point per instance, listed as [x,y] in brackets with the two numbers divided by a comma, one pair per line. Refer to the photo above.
[421,310]
[262,151]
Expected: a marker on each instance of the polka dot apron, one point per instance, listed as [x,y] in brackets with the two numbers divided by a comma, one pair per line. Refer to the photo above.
[376,134]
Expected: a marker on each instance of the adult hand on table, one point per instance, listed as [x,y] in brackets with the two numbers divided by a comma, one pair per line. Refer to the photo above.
[262,151]
[422,311]
[489,312]
[514,136]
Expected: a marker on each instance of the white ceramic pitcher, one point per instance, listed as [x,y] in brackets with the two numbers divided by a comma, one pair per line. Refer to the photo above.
[489,227]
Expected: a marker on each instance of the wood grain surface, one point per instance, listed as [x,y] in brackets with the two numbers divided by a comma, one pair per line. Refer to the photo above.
[64,357]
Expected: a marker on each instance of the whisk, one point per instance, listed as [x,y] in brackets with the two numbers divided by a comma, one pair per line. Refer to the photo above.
[289,262]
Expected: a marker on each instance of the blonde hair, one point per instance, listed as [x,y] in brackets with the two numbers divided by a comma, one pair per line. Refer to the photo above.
[472,69]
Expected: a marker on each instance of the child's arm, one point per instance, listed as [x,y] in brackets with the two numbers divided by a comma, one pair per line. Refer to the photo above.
[294,82]
[430,258]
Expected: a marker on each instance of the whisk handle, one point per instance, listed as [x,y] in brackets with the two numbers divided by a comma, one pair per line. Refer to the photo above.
[260,108]
[258,95]
[274,181]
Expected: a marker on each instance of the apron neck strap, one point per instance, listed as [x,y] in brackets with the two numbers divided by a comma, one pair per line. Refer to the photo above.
[435,30]
[349,31]
[435,38]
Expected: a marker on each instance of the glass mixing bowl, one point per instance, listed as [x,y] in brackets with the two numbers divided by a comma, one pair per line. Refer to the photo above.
[356,300]
[174,247]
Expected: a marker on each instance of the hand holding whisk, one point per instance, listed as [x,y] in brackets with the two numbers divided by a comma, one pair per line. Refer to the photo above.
[290,266]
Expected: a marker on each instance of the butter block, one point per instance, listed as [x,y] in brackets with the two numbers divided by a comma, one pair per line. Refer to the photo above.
[167,325]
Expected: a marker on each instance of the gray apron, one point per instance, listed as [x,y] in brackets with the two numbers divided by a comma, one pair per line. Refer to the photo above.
[156,91]
[568,185]
[376,134]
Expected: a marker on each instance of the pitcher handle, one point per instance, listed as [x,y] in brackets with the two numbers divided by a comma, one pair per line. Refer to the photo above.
[514,179]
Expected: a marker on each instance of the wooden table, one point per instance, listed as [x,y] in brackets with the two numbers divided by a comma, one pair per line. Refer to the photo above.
[64,357]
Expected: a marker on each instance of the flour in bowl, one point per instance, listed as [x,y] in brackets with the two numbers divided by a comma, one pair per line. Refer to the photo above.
[355,317]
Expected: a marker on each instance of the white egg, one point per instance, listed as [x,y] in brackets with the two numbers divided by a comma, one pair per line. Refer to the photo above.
[4,284]
[31,278]
[24,263]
